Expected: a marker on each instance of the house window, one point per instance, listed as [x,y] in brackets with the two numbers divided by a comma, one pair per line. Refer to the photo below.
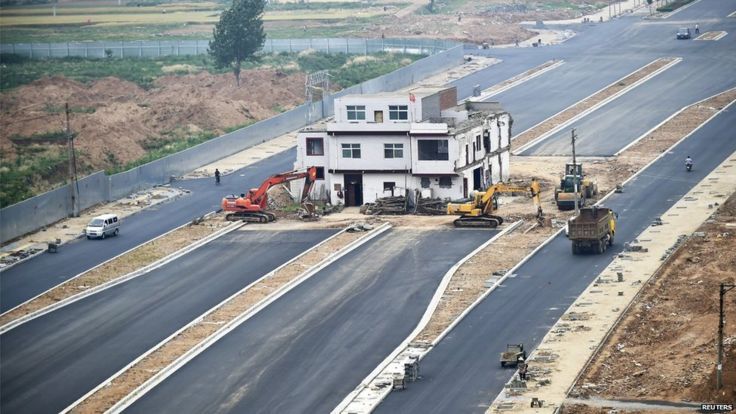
[425,182]
[356,112]
[315,146]
[351,150]
[445,182]
[398,112]
[393,150]
[320,173]
[477,142]
[433,150]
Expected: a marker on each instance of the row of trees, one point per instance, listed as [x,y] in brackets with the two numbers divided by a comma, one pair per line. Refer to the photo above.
[238,35]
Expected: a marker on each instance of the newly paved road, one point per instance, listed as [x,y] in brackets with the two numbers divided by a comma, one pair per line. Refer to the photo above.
[592,62]
[30,278]
[707,68]
[48,363]
[462,373]
[307,350]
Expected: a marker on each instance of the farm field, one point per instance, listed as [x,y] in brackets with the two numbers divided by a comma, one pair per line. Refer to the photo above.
[474,21]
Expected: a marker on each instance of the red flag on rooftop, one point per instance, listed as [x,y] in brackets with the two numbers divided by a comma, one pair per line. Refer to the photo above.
[412,98]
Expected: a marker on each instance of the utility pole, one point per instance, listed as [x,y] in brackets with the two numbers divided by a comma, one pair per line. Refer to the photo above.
[725,287]
[575,174]
[73,184]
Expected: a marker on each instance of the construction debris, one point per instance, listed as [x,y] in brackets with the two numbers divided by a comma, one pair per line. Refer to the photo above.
[386,205]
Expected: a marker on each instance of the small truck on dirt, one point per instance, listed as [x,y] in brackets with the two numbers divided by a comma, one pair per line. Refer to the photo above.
[514,354]
[593,229]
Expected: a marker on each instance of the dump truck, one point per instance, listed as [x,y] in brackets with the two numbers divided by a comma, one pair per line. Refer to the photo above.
[593,229]
[514,354]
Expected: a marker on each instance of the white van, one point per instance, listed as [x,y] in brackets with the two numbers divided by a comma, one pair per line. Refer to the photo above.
[103,226]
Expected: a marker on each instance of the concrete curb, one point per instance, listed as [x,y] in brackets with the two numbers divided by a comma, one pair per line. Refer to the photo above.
[132,275]
[184,328]
[635,175]
[595,107]
[644,135]
[434,302]
[82,234]
[517,82]
[227,328]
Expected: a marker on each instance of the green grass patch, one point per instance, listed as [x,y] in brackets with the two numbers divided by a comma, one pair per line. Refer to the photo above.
[673,6]
[330,5]
[27,175]
[51,137]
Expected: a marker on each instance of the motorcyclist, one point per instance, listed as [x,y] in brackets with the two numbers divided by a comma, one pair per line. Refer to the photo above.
[688,163]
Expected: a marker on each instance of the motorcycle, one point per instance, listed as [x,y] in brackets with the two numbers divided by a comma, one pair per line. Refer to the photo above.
[689,166]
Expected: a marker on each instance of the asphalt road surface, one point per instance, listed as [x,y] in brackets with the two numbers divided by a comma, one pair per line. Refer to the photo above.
[28,279]
[50,362]
[462,374]
[707,68]
[307,350]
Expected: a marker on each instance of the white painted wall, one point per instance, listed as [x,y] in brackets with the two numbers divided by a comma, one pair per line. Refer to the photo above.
[378,102]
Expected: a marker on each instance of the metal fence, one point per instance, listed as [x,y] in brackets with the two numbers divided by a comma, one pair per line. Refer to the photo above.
[52,206]
[153,48]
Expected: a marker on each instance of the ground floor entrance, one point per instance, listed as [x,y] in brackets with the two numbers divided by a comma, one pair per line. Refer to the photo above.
[353,190]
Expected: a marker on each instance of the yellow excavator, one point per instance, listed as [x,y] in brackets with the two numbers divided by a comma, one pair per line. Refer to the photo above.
[479,211]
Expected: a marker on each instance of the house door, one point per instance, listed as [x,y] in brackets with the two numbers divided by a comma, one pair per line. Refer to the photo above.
[353,189]
[478,178]
[465,187]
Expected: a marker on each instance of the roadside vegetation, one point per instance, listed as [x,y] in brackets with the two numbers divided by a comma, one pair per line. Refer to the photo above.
[18,70]
[673,6]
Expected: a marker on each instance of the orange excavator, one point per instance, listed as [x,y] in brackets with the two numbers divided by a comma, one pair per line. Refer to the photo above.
[252,207]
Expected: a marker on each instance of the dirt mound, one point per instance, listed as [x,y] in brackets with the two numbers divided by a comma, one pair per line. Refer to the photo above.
[117,121]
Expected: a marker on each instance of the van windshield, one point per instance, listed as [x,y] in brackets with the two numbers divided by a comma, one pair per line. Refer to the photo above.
[96,223]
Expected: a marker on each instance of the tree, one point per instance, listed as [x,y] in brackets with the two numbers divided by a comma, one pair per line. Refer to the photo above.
[238,35]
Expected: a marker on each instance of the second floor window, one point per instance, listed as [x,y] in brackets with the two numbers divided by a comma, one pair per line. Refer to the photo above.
[351,150]
[315,146]
[356,112]
[433,150]
[393,150]
[398,112]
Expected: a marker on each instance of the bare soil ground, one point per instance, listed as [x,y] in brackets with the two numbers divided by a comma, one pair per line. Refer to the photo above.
[664,348]
[160,358]
[142,256]
[131,118]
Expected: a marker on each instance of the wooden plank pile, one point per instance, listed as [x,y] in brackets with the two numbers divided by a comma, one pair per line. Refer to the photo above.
[386,205]
[431,206]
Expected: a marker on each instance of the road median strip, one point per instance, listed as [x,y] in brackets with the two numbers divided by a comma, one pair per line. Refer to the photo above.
[134,380]
[567,349]
[576,111]
[128,265]
[507,250]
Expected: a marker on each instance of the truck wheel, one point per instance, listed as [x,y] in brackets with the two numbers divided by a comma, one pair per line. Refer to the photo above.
[503,364]
[574,248]
[610,240]
[601,246]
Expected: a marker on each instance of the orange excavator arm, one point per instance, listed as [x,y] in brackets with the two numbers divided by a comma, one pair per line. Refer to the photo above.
[259,195]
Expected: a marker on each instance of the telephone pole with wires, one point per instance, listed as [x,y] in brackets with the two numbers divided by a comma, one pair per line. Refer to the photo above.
[73,183]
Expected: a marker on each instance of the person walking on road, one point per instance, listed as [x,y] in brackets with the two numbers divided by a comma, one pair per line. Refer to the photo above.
[217,176]
[697,29]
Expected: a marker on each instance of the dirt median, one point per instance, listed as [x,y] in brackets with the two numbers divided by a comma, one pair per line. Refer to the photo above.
[132,378]
[141,256]
[550,124]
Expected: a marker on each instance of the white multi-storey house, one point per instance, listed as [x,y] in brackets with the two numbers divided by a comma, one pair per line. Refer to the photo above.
[383,144]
